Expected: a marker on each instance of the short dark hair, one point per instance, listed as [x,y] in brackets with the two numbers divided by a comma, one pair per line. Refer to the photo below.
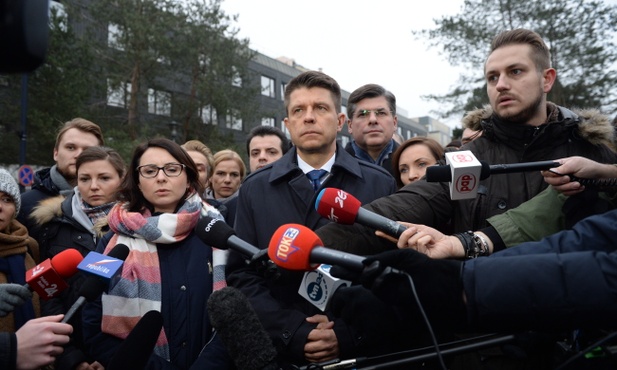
[312,79]
[540,53]
[369,91]
[129,189]
[433,145]
[267,131]
[82,125]
[101,153]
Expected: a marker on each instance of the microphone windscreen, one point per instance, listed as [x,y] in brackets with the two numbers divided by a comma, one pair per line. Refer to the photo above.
[92,287]
[291,245]
[438,173]
[65,263]
[137,347]
[338,206]
[247,342]
[214,232]
[119,251]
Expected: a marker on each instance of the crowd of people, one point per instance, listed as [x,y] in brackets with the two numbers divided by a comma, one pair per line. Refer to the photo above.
[516,257]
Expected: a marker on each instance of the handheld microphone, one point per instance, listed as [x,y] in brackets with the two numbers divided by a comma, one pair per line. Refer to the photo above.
[137,347]
[101,270]
[47,278]
[343,208]
[235,320]
[220,235]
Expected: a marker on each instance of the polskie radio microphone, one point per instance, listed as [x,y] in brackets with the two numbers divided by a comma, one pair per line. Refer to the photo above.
[47,278]
[343,208]
[235,320]
[137,347]
[101,270]
[296,247]
[464,172]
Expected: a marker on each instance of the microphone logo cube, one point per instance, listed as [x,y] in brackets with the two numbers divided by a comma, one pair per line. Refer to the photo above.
[466,169]
[44,280]
[106,267]
[318,286]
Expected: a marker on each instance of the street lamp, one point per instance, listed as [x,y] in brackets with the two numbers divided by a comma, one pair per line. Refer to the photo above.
[173,126]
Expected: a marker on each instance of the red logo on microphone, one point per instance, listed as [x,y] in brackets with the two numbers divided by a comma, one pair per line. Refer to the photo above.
[462,158]
[466,183]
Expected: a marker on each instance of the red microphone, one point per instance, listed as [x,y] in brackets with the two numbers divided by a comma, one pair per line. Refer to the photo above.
[296,247]
[47,278]
[343,208]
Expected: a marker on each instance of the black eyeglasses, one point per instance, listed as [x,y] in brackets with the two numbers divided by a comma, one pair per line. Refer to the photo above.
[150,171]
[366,113]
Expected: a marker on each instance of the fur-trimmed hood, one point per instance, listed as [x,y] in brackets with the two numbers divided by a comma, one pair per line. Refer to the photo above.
[51,208]
[593,126]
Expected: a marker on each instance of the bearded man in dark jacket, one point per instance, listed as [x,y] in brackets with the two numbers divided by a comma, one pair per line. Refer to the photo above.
[519,126]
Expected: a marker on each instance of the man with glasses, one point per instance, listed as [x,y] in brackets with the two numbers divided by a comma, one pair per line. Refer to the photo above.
[372,124]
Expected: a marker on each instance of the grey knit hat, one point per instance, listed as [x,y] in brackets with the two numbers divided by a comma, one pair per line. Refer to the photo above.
[9,186]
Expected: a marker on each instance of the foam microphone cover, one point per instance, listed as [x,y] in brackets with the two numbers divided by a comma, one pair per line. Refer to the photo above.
[137,347]
[246,340]
[214,232]
[65,263]
[291,245]
[338,206]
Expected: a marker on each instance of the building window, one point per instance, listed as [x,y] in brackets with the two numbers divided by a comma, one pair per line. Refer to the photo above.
[344,140]
[208,115]
[344,110]
[236,80]
[267,87]
[234,120]
[268,121]
[283,87]
[114,34]
[284,129]
[159,102]
[118,96]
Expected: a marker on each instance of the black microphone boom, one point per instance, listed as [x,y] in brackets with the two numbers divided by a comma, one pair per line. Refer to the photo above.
[443,173]
[136,349]
[247,342]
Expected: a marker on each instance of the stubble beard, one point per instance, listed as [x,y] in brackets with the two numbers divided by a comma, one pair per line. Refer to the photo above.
[526,114]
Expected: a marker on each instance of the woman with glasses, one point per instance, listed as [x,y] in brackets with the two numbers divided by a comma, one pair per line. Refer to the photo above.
[168,269]
[77,221]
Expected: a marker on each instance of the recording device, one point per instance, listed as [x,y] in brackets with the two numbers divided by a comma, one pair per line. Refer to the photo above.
[464,172]
[101,270]
[296,247]
[343,208]
[47,278]
[235,320]
[24,26]
[137,347]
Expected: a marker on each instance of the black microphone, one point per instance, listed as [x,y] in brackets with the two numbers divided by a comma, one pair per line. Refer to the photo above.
[220,235]
[235,320]
[444,173]
[137,347]
[106,269]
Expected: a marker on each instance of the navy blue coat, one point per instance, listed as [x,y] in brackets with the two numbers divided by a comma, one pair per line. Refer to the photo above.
[186,287]
[278,194]
[566,280]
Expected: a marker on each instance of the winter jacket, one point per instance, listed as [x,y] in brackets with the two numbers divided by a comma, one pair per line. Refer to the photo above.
[585,133]
[58,231]
[278,194]
[567,280]
[43,188]
[186,285]
[386,164]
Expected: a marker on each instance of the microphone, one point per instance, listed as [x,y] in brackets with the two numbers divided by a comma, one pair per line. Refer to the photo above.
[137,347]
[101,270]
[47,278]
[235,320]
[467,172]
[220,235]
[343,208]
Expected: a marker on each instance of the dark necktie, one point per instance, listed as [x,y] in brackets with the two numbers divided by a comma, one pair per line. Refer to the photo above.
[315,177]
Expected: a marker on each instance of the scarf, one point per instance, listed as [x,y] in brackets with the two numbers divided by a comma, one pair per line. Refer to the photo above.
[64,188]
[94,213]
[139,290]
[14,261]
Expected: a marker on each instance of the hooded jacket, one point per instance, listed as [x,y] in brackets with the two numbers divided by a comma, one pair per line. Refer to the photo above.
[566,133]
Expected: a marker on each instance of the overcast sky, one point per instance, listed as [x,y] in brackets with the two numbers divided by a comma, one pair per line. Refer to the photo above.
[356,42]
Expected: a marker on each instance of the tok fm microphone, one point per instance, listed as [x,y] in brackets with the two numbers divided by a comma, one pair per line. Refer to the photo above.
[101,270]
[464,172]
[235,320]
[343,208]
[47,278]
[137,347]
